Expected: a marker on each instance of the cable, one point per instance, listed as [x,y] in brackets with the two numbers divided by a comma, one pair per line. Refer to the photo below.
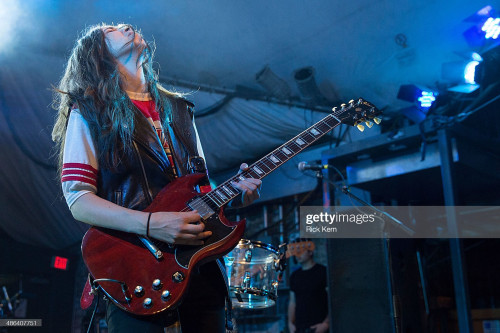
[93,314]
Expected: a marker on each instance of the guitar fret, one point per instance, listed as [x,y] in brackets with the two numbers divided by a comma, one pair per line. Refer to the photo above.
[274,159]
[264,167]
[208,196]
[228,191]
[215,198]
[221,195]
[332,122]
[294,147]
[268,163]
[323,127]
[299,141]
[233,189]
[252,174]
[286,151]
[282,157]
[306,139]
[314,131]
[257,170]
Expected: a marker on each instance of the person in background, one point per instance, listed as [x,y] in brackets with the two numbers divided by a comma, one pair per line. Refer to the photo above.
[308,302]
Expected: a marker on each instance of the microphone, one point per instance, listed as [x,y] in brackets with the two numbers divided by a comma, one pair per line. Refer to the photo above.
[302,166]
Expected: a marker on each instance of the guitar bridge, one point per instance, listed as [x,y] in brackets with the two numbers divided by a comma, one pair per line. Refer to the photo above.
[202,207]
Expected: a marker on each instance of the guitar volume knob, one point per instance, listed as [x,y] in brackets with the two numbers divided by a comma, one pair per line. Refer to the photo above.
[165,295]
[139,291]
[147,303]
[157,284]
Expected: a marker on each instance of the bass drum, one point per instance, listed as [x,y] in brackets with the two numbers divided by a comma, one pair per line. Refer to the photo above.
[252,274]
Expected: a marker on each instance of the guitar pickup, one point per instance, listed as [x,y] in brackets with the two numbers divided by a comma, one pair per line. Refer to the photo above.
[202,207]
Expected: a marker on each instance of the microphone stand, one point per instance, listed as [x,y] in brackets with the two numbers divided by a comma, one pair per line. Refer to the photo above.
[380,213]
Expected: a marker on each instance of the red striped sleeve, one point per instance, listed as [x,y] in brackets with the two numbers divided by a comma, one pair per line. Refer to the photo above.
[79,172]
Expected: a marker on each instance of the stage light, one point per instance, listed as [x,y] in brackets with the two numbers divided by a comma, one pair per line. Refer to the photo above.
[487,72]
[422,96]
[275,85]
[426,99]
[462,74]
[485,30]
[470,72]
[10,11]
[491,28]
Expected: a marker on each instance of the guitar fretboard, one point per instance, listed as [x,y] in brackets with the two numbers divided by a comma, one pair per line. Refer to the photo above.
[225,192]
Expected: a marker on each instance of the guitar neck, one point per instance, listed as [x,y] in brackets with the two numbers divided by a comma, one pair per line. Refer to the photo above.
[225,192]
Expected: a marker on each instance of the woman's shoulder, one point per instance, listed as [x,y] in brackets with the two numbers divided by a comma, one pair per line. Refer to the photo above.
[176,96]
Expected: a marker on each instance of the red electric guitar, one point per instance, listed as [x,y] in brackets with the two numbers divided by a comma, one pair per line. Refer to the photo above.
[144,276]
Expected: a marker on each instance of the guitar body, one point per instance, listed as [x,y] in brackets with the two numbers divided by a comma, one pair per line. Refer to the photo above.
[123,258]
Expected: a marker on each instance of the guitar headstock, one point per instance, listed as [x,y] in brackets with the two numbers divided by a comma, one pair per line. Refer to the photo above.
[298,247]
[355,113]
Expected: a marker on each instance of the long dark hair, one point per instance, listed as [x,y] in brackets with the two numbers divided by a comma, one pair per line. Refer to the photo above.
[92,83]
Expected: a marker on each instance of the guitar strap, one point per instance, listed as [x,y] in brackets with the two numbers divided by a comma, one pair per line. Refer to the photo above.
[182,123]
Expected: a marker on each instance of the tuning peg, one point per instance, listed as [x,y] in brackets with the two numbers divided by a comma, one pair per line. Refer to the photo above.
[360,127]
[342,106]
[335,109]
[369,124]
[360,101]
[351,101]
[377,120]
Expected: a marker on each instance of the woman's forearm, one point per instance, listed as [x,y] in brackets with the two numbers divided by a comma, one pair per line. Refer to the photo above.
[96,211]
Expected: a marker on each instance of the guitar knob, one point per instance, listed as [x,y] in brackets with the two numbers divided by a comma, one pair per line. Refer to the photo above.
[377,120]
[369,124]
[165,295]
[139,291]
[157,284]
[360,127]
[178,277]
[147,303]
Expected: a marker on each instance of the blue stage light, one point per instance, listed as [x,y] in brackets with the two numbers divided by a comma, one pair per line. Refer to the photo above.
[485,30]
[470,72]
[421,96]
[491,28]
[426,99]
[462,74]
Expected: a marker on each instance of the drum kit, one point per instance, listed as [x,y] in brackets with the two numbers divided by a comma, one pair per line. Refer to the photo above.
[253,270]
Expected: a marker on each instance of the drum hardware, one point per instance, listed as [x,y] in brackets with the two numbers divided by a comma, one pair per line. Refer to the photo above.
[248,255]
[252,268]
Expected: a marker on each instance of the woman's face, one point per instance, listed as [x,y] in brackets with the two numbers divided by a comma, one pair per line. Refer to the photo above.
[122,40]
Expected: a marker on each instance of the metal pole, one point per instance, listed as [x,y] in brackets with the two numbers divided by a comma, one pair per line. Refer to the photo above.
[456,250]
